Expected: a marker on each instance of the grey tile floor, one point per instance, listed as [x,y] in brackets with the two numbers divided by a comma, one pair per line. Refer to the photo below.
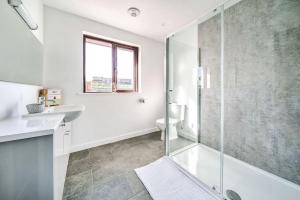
[107,172]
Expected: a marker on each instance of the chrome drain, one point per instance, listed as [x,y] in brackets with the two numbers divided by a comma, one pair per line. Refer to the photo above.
[232,195]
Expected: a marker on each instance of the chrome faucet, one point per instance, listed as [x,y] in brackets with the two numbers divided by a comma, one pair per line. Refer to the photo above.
[48,100]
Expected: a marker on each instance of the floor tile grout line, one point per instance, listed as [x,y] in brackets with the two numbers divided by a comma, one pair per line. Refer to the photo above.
[90,162]
[135,194]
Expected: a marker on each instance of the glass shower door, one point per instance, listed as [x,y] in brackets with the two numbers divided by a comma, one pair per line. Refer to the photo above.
[182,89]
[209,149]
[194,80]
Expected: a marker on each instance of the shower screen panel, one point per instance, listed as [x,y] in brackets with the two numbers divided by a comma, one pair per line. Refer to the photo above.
[209,43]
[194,81]
[182,89]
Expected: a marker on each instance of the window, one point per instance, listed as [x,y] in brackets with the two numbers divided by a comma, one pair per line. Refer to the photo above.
[109,66]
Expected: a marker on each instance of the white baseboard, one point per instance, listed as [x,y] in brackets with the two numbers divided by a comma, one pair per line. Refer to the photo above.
[187,136]
[112,139]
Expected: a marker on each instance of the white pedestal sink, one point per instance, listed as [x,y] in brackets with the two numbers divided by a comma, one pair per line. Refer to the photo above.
[71,112]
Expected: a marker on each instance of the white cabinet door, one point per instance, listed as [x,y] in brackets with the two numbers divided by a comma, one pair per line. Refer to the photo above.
[67,137]
[62,150]
[62,139]
[59,140]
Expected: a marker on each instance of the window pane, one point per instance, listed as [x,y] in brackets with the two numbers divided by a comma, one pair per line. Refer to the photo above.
[98,66]
[126,69]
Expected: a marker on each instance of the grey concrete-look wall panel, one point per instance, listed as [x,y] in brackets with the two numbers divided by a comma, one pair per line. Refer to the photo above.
[209,44]
[262,85]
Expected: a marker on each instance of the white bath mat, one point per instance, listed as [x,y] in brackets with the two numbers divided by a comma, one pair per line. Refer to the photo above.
[164,180]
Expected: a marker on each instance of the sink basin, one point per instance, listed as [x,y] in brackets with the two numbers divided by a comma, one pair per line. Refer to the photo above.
[71,112]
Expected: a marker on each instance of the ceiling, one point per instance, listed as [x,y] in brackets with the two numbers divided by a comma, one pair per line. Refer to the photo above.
[158,18]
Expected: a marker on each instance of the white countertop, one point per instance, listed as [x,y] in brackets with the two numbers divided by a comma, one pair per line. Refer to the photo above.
[28,127]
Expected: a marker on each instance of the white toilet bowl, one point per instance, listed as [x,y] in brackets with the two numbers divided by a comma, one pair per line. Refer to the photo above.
[172,128]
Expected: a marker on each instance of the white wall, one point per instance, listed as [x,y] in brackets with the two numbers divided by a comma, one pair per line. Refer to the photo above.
[107,117]
[36,10]
[14,98]
[183,76]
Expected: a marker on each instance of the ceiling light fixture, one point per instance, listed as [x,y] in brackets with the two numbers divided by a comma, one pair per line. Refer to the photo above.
[23,12]
[134,12]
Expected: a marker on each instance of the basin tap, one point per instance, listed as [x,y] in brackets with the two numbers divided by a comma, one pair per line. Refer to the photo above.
[49,100]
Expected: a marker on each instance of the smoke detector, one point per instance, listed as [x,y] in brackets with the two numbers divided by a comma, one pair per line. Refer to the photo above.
[134,12]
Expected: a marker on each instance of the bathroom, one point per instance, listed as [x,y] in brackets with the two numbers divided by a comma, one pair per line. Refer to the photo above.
[223,75]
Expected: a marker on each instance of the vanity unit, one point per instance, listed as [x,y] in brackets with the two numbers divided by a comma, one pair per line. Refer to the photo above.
[34,153]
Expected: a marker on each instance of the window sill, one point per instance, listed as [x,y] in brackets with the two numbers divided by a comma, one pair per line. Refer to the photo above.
[107,93]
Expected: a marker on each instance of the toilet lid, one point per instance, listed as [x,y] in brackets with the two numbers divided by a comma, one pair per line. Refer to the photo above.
[171,121]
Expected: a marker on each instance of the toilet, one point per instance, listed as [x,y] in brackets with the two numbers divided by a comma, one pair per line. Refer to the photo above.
[176,116]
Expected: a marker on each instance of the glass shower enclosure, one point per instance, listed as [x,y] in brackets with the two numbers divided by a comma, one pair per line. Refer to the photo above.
[233,99]
[182,90]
